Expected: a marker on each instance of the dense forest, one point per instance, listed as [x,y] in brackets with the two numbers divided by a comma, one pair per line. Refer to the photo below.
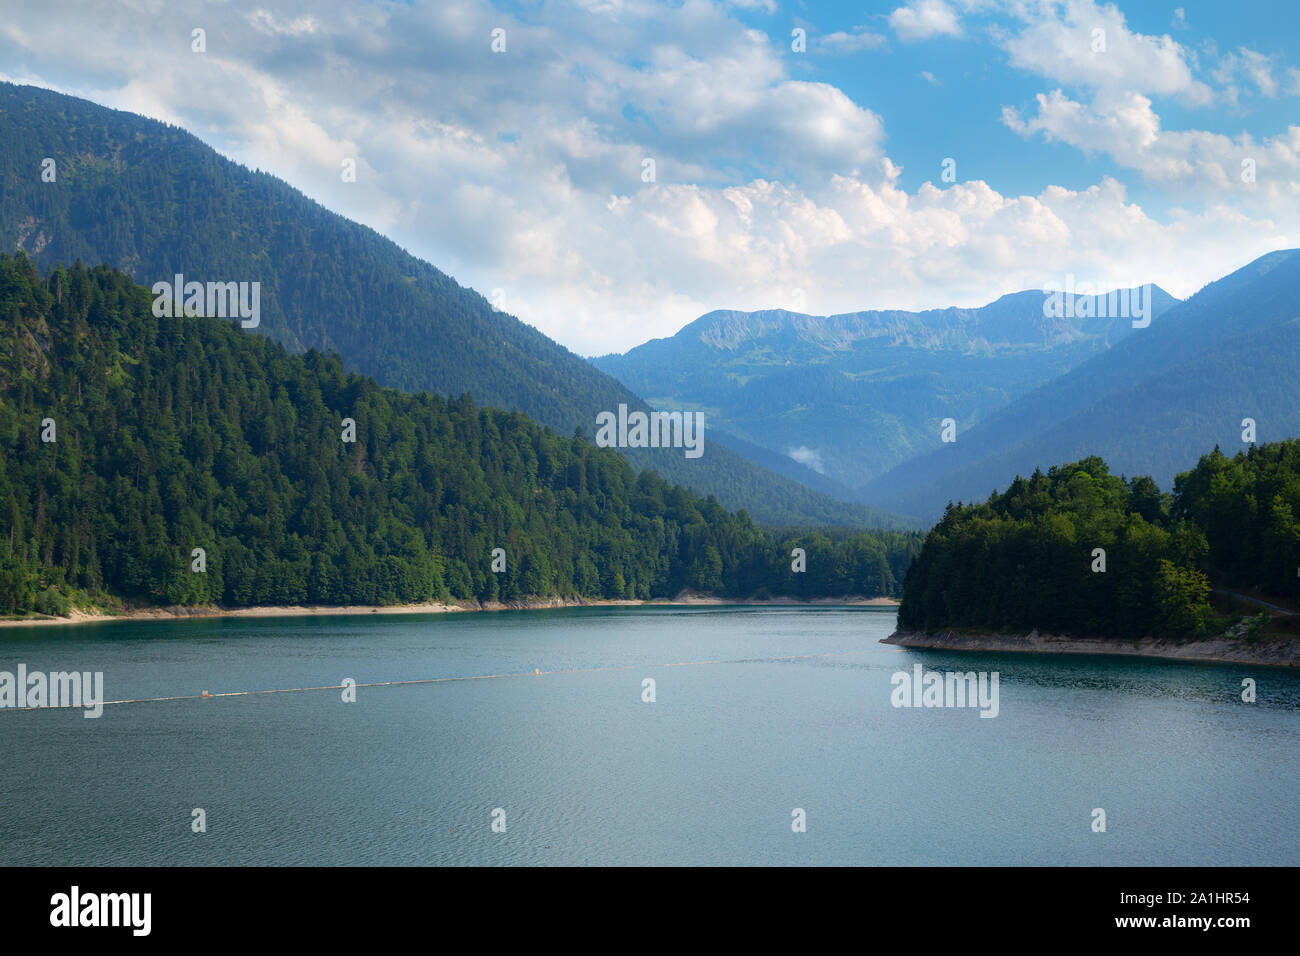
[1027,558]
[127,442]
[153,200]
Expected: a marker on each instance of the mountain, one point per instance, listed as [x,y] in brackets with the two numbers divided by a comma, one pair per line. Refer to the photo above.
[1149,405]
[182,461]
[154,201]
[853,395]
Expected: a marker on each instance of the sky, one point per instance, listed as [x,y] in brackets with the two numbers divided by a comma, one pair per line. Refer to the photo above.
[610,170]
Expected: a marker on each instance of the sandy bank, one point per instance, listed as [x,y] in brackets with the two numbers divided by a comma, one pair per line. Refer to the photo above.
[1271,652]
[686,599]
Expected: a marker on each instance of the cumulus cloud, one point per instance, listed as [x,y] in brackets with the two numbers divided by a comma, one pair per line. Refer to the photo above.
[1090,45]
[922,19]
[525,171]
[1193,162]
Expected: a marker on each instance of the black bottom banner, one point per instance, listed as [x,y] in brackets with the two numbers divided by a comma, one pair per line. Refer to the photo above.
[233,905]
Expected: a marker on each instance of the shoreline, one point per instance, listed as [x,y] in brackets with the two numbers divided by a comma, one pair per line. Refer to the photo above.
[1216,650]
[98,616]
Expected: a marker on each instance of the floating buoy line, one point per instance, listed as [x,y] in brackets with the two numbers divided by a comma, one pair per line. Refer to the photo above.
[535,672]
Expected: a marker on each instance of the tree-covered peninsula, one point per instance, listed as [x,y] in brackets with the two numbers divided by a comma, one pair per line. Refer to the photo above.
[1078,551]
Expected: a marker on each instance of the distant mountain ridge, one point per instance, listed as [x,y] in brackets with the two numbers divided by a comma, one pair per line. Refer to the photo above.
[1015,319]
[153,200]
[855,394]
[1150,405]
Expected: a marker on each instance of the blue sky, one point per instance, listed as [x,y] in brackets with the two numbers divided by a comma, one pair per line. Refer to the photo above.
[807,180]
[959,109]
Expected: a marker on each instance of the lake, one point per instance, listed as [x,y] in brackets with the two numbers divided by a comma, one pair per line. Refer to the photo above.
[757,713]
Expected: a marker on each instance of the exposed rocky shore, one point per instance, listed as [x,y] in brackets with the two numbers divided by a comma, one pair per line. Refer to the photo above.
[1228,648]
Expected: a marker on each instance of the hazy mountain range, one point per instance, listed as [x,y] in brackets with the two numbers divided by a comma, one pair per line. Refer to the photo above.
[1149,405]
[861,397]
[854,395]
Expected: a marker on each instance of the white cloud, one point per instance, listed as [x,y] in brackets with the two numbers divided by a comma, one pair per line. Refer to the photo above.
[808,457]
[922,19]
[522,171]
[1090,45]
[1194,163]
[858,41]
[1255,66]
[267,22]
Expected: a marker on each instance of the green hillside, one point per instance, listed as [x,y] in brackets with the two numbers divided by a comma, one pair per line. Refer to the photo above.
[128,441]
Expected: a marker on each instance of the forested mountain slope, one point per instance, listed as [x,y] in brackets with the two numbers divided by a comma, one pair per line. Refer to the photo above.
[154,201]
[128,441]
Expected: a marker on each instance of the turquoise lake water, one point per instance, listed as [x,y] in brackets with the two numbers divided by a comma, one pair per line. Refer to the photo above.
[758,712]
